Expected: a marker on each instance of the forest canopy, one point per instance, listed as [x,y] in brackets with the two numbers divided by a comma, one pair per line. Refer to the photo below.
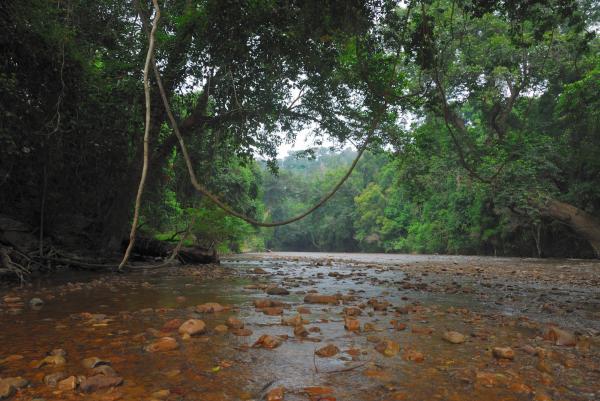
[480,122]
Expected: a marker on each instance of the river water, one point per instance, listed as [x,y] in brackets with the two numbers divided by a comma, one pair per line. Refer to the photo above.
[406,299]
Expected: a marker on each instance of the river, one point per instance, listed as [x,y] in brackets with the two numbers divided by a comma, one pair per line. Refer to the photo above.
[503,310]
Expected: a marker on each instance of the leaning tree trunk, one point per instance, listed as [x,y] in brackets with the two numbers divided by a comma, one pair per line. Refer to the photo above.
[583,223]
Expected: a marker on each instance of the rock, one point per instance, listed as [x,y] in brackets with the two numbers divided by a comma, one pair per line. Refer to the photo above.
[99,382]
[70,383]
[541,396]
[272,311]
[520,388]
[172,325]
[267,341]
[277,291]
[57,360]
[16,382]
[11,358]
[320,299]
[303,310]
[192,327]
[276,394]
[267,303]
[259,270]
[412,355]
[36,303]
[388,347]
[317,391]
[368,327]
[6,390]
[221,329]
[52,379]
[421,330]
[210,307]
[243,332]
[352,311]
[163,344]
[398,326]
[292,321]
[105,370]
[454,337]
[300,331]
[161,394]
[327,351]
[91,363]
[59,352]
[489,379]
[559,336]
[234,323]
[351,324]
[503,353]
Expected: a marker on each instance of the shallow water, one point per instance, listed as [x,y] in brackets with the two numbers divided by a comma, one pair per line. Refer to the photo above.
[494,302]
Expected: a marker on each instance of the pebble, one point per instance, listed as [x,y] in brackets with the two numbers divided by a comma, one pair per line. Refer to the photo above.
[454,337]
[192,327]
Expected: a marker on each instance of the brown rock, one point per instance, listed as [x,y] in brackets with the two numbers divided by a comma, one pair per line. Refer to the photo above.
[105,370]
[316,391]
[267,303]
[412,355]
[99,382]
[421,330]
[234,323]
[300,331]
[192,327]
[52,379]
[56,360]
[276,394]
[503,353]
[267,341]
[454,337]
[70,383]
[388,347]
[163,344]
[489,379]
[303,310]
[352,311]
[277,291]
[351,324]
[398,325]
[292,321]
[92,362]
[243,332]
[6,390]
[272,311]
[327,351]
[172,325]
[559,336]
[320,299]
[210,307]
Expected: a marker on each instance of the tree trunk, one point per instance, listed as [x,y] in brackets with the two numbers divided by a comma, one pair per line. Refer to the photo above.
[582,222]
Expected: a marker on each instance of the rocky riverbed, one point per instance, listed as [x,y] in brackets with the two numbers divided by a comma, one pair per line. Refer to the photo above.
[283,326]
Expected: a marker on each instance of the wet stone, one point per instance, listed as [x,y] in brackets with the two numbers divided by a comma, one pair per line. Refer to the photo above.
[327,351]
[99,382]
[454,337]
[503,353]
[234,323]
[276,394]
[163,344]
[277,291]
[52,379]
[92,362]
[192,327]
